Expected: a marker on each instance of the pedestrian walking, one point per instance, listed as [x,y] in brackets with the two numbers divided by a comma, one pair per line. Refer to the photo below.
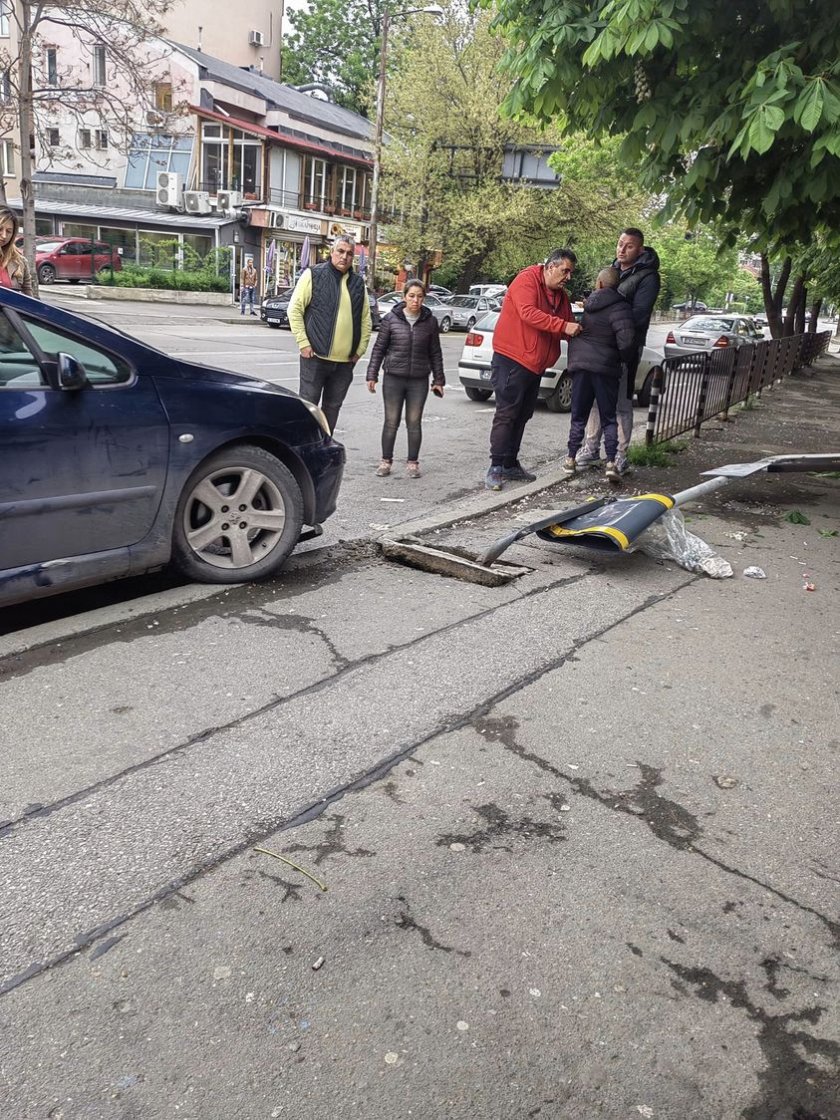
[596,359]
[247,286]
[408,348]
[14,267]
[536,315]
[329,314]
[639,283]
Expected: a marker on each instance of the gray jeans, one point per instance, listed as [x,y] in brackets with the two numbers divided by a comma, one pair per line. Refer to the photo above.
[325,384]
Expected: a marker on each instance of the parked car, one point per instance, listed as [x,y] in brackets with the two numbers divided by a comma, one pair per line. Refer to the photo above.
[691,308]
[151,460]
[274,309]
[441,311]
[467,310]
[487,289]
[73,259]
[555,383]
[442,293]
[706,332]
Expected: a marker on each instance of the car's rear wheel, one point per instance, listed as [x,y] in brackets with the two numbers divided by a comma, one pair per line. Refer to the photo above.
[561,399]
[238,518]
[643,393]
[46,274]
[478,394]
[470,324]
[445,325]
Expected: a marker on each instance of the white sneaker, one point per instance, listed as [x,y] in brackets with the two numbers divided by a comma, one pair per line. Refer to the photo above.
[585,461]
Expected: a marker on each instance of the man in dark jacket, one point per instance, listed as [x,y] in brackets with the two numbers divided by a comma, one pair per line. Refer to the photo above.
[638,267]
[596,356]
[536,315]
[329,315]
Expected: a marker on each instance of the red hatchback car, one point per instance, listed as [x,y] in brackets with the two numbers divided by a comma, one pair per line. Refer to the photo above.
[73,259]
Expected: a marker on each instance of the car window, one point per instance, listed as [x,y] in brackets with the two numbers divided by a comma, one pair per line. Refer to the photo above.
[463,301]
[707,325]
[47,246]
[101,368]
[18,366]
[487,322]
[83,248]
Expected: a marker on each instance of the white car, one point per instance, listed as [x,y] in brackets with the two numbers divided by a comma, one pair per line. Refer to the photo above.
[555,384]
[494,291]
[438,308]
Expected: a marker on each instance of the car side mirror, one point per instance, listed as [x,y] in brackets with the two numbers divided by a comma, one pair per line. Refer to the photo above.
[71,373]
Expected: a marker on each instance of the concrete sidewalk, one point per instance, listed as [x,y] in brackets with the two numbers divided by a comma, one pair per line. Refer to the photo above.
[579,834]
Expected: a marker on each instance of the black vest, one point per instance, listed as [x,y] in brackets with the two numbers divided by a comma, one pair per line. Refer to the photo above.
[321,313]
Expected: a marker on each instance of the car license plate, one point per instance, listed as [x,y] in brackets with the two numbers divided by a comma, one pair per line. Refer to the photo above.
[689,340]
[486,374]
[276,316]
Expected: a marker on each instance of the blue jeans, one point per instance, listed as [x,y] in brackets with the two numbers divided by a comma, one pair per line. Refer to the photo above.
[397,392]
[325,384]
[245,295]
[586,389]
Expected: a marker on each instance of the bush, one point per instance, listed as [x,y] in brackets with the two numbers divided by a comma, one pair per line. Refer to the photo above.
[204,279]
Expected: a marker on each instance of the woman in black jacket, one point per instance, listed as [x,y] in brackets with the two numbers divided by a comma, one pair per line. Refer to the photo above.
[409,346]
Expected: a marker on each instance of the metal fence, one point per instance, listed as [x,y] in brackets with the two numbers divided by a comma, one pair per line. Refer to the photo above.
[689,390]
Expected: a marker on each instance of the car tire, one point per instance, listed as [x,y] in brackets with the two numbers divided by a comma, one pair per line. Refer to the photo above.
[561,399]
[470,325]
[643,393]
[209,547]
[445,325]
[46,274]
[274,326]
[478,394]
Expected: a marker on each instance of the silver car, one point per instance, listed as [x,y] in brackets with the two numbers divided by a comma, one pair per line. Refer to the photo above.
[711,332]
[467,310]
[438,308]
[555,383]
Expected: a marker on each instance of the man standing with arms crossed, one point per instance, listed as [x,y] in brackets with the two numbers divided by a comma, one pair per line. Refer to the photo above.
[639,283]
[536,315]
[329,315]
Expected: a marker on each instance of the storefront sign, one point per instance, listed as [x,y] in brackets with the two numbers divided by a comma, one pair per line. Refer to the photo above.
[299,224]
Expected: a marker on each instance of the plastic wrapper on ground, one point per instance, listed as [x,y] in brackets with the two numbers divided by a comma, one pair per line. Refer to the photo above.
[668,539]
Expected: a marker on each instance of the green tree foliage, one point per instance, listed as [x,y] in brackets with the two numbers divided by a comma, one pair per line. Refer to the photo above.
[730,107]
[442,166]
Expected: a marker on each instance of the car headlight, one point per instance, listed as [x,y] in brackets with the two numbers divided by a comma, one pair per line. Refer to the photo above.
[318,414]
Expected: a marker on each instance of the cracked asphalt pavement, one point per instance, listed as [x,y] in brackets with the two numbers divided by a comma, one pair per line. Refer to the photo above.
[579,834]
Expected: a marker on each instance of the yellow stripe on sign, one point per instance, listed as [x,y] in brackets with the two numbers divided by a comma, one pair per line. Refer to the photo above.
[607,530]
[663,499]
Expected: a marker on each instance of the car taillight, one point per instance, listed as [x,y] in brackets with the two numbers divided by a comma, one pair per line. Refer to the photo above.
[670,339]
[721,342]
[473,339]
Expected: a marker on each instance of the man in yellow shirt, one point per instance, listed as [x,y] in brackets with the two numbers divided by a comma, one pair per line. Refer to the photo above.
[329,315]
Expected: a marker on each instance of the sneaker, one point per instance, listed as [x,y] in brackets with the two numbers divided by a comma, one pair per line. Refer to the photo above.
[517,473]
[612,472]
[494,479]
[584,461]
[412,469]
[254,314]
[384,469]
[621,464]
[569,465]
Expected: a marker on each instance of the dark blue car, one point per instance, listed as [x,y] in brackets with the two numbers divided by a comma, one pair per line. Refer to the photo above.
[116,459]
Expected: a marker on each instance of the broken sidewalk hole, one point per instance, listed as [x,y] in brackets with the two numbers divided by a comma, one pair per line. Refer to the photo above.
[456,562]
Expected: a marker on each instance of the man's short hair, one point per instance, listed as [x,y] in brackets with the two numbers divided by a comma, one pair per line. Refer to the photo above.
[557,255]
[609,277]
[345,239]
[631,231]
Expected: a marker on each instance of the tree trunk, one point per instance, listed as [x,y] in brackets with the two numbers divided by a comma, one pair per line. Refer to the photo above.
[799,311]
[816,308]
[793,303]
[27,139]
[773,300]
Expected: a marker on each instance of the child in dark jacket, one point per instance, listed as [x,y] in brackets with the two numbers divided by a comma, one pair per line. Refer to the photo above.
[607,340]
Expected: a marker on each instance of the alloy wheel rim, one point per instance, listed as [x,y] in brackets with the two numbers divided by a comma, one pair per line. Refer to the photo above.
[234,517]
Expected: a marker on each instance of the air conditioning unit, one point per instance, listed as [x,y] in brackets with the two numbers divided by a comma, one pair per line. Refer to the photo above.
[168,189]
[256,38]
[228,200]
[276,220]
[197,202]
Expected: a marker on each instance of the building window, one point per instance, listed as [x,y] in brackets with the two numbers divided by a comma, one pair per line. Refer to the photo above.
[5,87]
[7,158]
[231,161]
[4,19]
[163,96]
[101,139]
[85,140]
[151,153]
[53,138]
[51,56]
[314,183]
[99,60]
[347,198]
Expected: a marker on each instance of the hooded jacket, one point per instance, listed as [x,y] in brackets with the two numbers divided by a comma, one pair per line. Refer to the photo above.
[640,286]
[608,338]
[530,326]
[406,350]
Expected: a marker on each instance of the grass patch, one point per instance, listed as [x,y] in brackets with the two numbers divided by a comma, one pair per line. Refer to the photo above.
[750,403]
[653,454]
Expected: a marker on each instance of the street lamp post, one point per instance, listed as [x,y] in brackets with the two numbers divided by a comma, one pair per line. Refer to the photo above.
[432,10]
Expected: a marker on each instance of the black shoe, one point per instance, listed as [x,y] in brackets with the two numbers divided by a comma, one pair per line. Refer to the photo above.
[517,473]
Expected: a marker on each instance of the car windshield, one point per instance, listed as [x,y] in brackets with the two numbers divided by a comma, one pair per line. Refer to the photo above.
[463,301]
[48,246]
[700,324]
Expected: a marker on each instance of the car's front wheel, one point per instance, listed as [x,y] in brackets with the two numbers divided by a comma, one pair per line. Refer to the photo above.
[478,394]
[470,324]
[46,274]
[561,399]
[445,325]
[238,518]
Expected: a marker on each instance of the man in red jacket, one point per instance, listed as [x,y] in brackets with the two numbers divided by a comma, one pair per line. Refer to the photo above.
[535,316]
